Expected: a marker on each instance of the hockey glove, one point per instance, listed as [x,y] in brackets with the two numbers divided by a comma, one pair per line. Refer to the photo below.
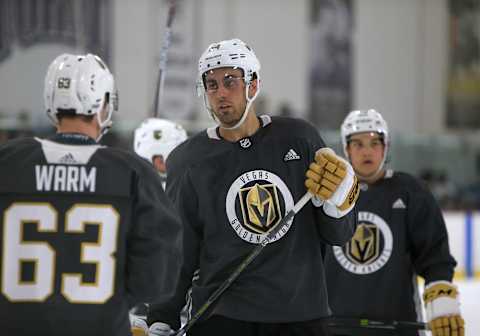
[443,309]
[332,180]
[160,329]
[138,326]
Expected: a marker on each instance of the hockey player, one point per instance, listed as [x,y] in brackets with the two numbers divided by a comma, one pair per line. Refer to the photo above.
[231,184]
[81,224]
[155,138]
[401,235]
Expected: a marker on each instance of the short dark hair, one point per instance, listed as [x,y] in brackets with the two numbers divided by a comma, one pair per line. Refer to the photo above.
[71,113]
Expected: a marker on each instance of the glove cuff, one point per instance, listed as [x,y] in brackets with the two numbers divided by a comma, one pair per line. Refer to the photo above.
[160,329]
[333,211]
[441,299]
[347,192]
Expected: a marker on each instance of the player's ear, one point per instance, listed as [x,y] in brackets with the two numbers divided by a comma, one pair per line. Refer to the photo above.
[252,90]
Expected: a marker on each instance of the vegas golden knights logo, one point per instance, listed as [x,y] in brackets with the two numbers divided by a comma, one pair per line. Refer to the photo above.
[260,207]
[256,201]
[370,247]
[364,246]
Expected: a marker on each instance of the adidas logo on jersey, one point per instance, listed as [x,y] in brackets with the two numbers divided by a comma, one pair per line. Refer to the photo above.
[67,159]
[398,204]
[291,155]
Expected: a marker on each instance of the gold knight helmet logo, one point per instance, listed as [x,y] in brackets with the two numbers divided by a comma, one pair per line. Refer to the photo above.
[260,207]
[255,202]
[370,248]
[364,247]
[157,134]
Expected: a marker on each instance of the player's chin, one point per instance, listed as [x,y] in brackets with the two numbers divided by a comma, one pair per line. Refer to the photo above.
[227,120]
[367,172]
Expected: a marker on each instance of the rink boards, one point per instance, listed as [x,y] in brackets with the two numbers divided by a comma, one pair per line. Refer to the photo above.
[464,239]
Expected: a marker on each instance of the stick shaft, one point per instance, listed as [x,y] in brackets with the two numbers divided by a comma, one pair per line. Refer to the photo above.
[163,58]
[247,261]
[354,323]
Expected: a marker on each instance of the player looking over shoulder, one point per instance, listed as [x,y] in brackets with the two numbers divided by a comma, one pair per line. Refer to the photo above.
[401,235]
[232,184]
[81,224]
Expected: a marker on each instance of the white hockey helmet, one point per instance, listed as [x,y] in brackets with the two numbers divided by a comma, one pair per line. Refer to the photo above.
[80,85]
[229,53]
[157,137]
[361,121]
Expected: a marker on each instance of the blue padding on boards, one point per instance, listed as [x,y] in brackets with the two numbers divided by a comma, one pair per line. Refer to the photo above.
[469,271]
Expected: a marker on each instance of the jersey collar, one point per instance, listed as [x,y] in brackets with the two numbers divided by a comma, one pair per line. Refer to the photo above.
[214,132]
[73,139]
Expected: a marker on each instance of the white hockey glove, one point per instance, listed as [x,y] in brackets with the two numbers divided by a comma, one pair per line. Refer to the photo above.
[332,180]
[138,326]
[160,329]
[443,309]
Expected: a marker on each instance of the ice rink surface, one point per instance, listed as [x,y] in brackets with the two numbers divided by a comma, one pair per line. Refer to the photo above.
[470,305]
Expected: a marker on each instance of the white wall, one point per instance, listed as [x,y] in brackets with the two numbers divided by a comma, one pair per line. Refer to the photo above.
[400,61]
[400,56]
[21,80]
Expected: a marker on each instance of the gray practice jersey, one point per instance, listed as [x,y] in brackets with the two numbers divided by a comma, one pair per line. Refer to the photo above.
[86,232]
[401,234]
[229,195]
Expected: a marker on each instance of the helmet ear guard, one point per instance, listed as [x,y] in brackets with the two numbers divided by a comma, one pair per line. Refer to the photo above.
[80,85]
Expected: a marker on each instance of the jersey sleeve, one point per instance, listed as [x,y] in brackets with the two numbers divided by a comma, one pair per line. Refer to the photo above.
[181,190]
[429,238]
[154,244]
[334,231]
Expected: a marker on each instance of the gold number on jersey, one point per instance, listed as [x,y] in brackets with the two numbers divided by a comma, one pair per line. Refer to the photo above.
[17,251]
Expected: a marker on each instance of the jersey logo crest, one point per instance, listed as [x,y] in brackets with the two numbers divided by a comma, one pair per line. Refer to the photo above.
[260,207]
[370,247]
[256,202]
[364,245]
[291,155]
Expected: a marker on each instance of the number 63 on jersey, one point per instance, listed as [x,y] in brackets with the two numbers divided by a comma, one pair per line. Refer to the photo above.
[17,251]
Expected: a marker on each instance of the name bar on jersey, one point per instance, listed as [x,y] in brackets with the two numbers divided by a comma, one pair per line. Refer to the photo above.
[65,178]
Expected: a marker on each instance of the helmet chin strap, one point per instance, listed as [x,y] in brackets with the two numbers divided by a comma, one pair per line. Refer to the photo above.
[375,175]
[105,125]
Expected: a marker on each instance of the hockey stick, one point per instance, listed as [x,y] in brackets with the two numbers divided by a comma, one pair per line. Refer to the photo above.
[163,58]
[355,323]
[253,254]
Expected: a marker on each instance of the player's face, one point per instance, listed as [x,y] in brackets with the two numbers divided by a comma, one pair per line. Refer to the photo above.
[366,153]
[159,164]
[225,89]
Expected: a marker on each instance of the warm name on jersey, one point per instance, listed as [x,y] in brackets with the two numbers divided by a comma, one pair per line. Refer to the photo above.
[65,178]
